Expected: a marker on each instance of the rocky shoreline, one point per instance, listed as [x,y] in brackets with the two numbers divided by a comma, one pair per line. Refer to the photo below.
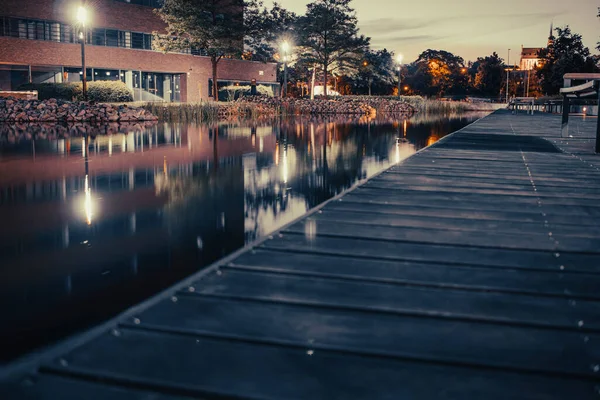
[346,105]
[14,110]
[18,110]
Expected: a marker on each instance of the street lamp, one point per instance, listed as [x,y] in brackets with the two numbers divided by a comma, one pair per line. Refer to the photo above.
[507,75]
[285,49]
[82,18]
[399,58]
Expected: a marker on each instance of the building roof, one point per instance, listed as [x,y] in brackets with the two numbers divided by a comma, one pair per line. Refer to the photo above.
[530,52]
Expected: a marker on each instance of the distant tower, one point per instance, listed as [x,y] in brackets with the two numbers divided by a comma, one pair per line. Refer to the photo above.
[551,36]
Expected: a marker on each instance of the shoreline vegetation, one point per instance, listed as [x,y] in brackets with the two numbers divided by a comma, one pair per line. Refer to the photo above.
[245,108]
[261,107]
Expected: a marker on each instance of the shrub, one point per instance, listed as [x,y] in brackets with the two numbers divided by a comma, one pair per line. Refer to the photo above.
[99,91]
[229,93]
[106,91]
[63,91]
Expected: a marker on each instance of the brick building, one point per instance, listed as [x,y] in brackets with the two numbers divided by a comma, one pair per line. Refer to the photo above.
[38,43]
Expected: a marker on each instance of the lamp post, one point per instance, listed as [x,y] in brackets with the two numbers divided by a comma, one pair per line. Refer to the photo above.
[399,58]
[82,19]
[285,48]
[507,75]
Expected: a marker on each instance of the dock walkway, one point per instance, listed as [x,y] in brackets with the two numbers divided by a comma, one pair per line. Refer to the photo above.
[468,271]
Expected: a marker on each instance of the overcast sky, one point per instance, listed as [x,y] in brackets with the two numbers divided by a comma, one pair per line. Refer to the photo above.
[468,28]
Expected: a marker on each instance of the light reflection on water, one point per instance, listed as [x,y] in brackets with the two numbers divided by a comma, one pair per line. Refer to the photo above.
[95,219]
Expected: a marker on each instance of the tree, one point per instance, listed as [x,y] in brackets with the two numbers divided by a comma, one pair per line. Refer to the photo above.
[377,73]
[438,72]
[598,44]
[565,54]
[490,75]
[266,29]
[215,26]
[329,36]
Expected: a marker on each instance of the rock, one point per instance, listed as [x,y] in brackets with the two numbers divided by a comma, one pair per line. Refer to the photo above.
[12,110]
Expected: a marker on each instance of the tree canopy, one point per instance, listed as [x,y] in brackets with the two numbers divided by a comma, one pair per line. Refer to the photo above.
[215,27]
[329,37]
[565,54]
[490,75]
[266,29]
[377,74]
[326,40]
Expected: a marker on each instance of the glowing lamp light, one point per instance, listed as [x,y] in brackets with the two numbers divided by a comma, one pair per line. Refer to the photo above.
[399,58]
[87,205]
[285,170]
[82,15]
[285,46]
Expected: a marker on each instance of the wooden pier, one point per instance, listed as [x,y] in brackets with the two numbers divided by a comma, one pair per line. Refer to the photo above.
[468,271]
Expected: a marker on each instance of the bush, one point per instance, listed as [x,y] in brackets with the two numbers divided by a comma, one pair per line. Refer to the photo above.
[106,91]
[99,91]
[229,93]
[63,91]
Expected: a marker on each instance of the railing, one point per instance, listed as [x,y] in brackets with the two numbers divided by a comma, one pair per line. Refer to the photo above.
[586,90]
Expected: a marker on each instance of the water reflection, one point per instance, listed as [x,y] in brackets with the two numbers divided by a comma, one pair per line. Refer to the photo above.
[96,218]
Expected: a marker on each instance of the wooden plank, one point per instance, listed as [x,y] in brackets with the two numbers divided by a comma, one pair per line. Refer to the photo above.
[194,365]
[452,255]
[449,221]
[52,387]
[508,195]
[498,219]
[441,275]
[454,180]
[456,342]
[509,309]
[421,205]
[540,240]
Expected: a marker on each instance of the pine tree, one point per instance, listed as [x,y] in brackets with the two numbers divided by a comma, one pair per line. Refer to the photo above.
[329,36]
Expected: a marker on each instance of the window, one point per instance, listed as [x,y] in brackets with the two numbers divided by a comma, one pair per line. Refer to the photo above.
[66,33]
[99,37]
[137,40]
[112,37]
[13,27]
[149,3]
[141,41]
[124,39]
[55,32]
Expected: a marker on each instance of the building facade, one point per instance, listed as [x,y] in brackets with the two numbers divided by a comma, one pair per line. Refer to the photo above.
[39,43]
[529,58]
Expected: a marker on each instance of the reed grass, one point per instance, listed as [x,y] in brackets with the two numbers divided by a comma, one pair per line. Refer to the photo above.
[205,112]
[212,111]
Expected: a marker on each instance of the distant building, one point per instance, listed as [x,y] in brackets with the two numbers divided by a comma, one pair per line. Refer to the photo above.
[39,44]
[530,55]
[529,58]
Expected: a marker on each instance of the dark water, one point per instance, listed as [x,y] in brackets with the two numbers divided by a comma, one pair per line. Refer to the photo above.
[96,219]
